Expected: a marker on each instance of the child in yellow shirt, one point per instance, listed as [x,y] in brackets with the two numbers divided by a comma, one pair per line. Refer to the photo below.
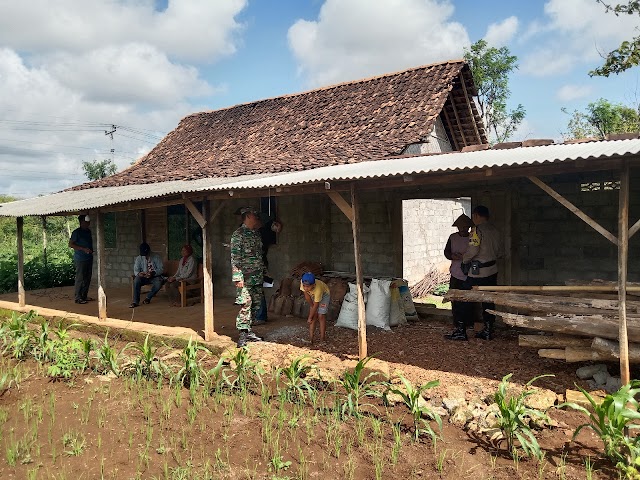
[316,292]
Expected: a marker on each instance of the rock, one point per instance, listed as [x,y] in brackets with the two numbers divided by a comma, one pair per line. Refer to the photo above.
[592,383]
[394,398]
[441,411]
[613,384]
[472,426]
[451,404]
[588,370]
[541,400]
[461,416]
[601,377]
[490,420]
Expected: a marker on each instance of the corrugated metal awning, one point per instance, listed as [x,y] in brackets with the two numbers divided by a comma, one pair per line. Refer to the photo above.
[80,200]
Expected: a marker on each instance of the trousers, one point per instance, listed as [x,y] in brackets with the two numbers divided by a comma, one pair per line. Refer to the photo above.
[156,285]
[250,298]
[84,270]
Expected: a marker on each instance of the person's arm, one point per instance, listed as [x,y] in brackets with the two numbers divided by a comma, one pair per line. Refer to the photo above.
[75,246]
[308,298]
[447,250]
[313,310]
[137,268]
[236,257]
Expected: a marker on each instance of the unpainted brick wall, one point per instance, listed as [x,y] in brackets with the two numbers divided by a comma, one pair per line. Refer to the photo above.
[119,260]
[426,225]
[552,245]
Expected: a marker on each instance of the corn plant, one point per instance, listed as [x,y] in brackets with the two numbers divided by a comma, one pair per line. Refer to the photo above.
[511,418]
[16,336]
[191,374]
[412,398]
[108,358]
[357,388]
[43,349]
[611,420]
[147,364]
[295,387]
[244,375]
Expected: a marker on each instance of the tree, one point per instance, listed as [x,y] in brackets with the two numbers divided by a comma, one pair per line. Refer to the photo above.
[627,55]
[99,169]
[602,118]
[490,67]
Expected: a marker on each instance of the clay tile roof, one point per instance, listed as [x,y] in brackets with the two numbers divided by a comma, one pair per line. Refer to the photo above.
[347,123]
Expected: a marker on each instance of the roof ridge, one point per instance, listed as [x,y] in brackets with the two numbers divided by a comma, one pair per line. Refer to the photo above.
[329,87]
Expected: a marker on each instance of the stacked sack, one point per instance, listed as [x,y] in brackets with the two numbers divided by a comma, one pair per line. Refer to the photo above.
[388,304]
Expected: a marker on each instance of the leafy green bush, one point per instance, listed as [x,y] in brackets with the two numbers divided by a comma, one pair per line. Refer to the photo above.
[441,289]
[295,386]
[610,420]
[59,271]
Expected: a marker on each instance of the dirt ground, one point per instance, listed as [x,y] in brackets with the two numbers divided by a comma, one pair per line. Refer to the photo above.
[418,351]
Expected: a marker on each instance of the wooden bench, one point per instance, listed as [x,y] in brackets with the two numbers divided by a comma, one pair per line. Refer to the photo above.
[170,267]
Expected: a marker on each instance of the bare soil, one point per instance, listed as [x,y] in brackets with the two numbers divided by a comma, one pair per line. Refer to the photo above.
[129,434]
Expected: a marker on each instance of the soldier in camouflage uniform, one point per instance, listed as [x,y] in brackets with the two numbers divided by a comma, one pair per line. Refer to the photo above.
[247,268]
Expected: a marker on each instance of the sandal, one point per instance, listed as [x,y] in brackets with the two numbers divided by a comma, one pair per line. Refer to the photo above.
[133,305]
[81,301]
[146,301]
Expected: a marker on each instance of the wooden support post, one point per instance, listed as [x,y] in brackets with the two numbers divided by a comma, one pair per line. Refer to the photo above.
[342,204]
[207,272]
[362,323]
[201,219]
[623,256]
[22,301]
[102,296]
[215,213]
[575,210]
[44,240]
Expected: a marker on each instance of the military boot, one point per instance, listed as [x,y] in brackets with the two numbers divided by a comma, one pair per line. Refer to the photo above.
[457,334]
[242,339]
[487,332]
[252,337]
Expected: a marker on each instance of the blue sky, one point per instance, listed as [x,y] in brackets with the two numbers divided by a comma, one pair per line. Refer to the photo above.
[67,74]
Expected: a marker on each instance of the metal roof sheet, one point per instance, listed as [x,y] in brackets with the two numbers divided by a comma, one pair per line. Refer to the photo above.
[79,200]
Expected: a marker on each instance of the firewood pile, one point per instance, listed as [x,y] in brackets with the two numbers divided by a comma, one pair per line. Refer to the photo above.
[429,282]
[573,323]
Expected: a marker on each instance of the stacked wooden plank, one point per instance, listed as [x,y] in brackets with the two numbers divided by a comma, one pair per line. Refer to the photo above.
[570,328]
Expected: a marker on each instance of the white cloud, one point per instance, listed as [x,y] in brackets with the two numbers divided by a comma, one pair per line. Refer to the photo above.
[500,34]
[577,32]
[69,69]
[195,30]
[568,93]
[48,128]
[547,62]
[358,38]
[134,73]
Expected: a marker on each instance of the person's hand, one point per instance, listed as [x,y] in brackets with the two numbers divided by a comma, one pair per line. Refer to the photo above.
[87,250]
[239,284]
[171,279]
